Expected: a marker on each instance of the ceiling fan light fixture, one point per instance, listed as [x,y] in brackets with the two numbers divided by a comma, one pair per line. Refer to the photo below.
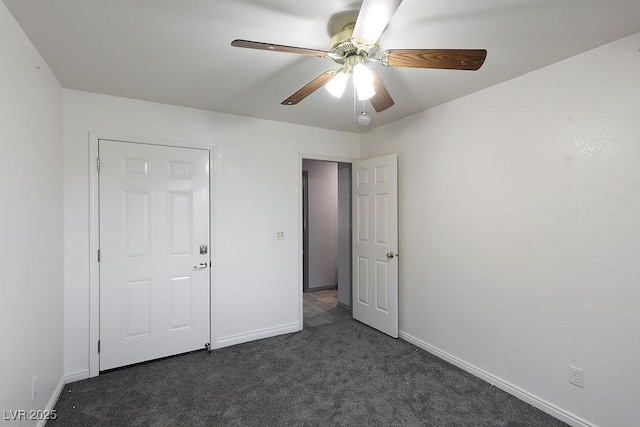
[358,43]
[363,81]
[337,84]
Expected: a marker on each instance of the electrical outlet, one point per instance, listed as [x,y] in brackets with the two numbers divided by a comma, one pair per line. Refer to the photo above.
[279,235]
[34,387]
[576,376]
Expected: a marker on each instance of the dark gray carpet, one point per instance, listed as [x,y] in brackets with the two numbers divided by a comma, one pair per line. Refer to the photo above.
[344,373]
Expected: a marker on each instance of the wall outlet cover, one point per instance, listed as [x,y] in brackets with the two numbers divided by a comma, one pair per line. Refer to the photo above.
[576,376]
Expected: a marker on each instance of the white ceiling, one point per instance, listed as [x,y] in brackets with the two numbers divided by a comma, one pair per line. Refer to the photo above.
[178,51]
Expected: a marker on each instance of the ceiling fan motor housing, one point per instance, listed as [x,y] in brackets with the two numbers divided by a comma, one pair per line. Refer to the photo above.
[342,47]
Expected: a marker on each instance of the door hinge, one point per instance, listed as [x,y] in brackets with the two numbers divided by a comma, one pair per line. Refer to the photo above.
[98,346]
[98,255]
[98,164]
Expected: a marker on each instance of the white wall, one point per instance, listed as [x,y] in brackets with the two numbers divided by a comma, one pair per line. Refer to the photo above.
[344,234]
[519,213]
[256,192]
[31,311]
[323,223]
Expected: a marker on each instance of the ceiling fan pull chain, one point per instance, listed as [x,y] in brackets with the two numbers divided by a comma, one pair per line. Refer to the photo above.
[355,114]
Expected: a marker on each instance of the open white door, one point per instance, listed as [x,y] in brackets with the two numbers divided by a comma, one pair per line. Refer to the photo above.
[375,243]
[154,239]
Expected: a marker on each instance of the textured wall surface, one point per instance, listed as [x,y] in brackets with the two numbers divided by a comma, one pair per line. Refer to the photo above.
[519,232]
[31,287]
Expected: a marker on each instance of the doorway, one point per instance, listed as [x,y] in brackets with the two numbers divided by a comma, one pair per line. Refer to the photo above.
[326,245]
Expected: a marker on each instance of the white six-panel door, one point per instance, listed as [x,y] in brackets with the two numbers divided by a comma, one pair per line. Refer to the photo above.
[154,281]
[375,243]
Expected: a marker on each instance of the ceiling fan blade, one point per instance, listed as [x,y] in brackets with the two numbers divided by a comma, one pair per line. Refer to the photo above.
[372,19]
[278,48]
[309,88]
[381,100]
[449,59]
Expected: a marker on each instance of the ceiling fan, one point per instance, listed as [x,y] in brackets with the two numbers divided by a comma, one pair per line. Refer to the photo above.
[357,44]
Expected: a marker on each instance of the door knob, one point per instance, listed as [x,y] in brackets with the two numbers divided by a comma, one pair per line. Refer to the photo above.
[200,266]
[390,254]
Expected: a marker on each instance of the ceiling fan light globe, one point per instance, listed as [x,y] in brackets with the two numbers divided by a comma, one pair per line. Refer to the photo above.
[337,84]
[363,81]
[365,92]
[361,73]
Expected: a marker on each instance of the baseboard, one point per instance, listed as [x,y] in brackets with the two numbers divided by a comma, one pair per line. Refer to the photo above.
[323,288]
[343,305]
[52,401]
[77,376]
[503,385]
[257,334]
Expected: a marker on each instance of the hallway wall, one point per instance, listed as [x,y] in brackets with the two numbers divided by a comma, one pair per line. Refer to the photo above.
[344,234]
[323,223]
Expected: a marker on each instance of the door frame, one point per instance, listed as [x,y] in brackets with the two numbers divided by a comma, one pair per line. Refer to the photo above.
[301,231]
[94,233]
[305,231]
